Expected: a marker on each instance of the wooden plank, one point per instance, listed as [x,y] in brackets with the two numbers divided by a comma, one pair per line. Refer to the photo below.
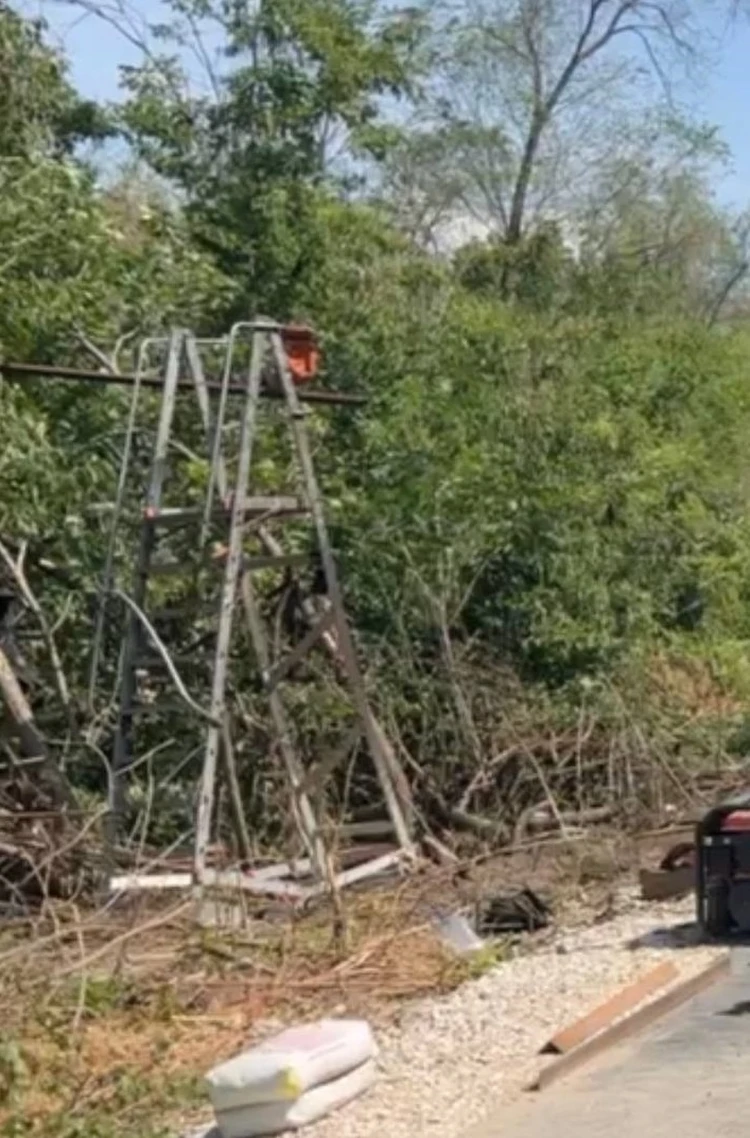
[231,879]
[145,882]
[369,868]
[362,872]
[629,1026]
[619,1005]
[281,869]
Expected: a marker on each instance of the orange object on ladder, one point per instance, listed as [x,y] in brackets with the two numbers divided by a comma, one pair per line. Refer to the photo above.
[302,352]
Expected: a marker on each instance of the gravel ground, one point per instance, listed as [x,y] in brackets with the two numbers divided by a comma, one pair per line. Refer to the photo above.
[450,1060]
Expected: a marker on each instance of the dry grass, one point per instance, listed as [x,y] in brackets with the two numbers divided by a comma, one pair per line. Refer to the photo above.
[107,1016]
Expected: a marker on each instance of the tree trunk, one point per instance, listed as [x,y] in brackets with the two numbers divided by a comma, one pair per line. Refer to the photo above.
[41,767]
[514,232]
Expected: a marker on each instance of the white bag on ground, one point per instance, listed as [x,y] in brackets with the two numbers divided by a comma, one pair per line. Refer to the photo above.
[286,1066]
[276,1117]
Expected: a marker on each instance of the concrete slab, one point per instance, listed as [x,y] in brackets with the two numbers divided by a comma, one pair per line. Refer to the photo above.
[689,1076]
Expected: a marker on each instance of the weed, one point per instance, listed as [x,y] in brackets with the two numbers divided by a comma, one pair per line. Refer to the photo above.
[14,1071]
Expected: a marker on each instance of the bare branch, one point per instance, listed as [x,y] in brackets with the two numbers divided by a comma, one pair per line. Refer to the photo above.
[532,76]
[107,363]
[118,14]
[733,282]
[16,569]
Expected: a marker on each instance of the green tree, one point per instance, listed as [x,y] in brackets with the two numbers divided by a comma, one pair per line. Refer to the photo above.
[654,233]
[79,264]
[565,491]
[295,94]
[40,113]
[526,100]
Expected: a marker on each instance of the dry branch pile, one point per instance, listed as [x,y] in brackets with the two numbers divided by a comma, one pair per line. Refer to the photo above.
[45,857]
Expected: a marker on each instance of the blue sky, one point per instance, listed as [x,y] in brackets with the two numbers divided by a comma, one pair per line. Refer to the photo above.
[727,103]
[95,51]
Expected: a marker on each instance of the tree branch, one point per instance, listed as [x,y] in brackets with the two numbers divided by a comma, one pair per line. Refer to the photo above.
[16,569]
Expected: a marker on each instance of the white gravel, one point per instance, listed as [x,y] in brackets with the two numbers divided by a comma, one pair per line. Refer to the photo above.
[449,1061]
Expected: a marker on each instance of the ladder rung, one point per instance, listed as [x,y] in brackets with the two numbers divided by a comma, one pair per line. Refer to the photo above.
[273,505]
[167,514]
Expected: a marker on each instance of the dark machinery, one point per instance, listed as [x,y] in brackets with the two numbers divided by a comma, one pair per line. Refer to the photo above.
[723,869]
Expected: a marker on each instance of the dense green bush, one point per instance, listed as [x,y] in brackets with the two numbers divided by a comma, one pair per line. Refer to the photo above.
[547,493]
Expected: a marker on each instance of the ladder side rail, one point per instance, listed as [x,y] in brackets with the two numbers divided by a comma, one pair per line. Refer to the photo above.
[108,572]
[232,573]
[218,477]
[218,469]
[218,427]
[386,764]
[123,739]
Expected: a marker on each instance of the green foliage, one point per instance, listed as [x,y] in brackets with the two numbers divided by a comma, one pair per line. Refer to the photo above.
[79,261]
[302,79]
[551,470]
[106,263]
[40,113]
[570,486]
[536,271]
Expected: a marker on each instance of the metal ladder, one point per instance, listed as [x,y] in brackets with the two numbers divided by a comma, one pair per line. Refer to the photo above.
[245,515]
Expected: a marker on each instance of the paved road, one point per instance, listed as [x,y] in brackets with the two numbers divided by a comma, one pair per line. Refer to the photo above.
[689,1077]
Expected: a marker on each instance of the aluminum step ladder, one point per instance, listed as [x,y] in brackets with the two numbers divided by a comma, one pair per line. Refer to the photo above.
[230,506]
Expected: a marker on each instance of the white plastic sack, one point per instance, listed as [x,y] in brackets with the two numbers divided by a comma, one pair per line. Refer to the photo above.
[284,1067]
[276,1117]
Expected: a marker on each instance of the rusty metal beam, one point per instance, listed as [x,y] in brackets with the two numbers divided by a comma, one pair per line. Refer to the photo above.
[17,371]
[640,1019]
[623,1003]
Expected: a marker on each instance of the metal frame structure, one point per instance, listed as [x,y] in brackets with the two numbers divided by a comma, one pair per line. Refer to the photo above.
[230,503]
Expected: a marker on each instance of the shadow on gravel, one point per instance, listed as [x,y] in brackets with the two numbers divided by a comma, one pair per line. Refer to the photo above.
[673,936]
[688,935]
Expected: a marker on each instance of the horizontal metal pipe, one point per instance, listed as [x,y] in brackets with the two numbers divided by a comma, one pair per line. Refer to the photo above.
[81,375]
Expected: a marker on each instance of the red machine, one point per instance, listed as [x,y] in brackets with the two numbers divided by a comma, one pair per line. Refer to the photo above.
[723,869]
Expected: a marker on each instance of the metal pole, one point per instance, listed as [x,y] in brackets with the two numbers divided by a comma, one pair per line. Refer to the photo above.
[107,575]
[226,618]
[385,765]
[17,371]
[123,738]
